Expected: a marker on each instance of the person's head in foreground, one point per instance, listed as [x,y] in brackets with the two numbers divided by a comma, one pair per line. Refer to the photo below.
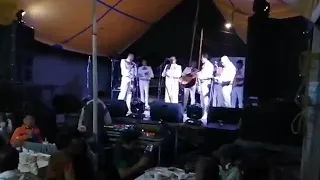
[130,139]
[72,142]
[207,169]
[227,155]
[10,161]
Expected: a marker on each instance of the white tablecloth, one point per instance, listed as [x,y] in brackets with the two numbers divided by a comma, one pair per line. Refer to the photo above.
[162,173]
[31,162]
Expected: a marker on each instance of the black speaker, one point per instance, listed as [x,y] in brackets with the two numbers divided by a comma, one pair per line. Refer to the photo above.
[272,64]
[16,51]
[117,108]
[167,112]
[224,115]
[271,123]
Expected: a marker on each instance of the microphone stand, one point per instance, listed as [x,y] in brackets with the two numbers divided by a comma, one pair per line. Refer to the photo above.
[160,80]
[160,77]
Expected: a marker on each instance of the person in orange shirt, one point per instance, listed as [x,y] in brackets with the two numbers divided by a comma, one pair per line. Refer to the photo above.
[27,132]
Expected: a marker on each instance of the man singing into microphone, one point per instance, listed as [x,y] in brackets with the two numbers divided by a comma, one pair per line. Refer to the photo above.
[172,72]
[237,91]
[145,73]
[192,90]
[226,79]
[128,73]
[205,76]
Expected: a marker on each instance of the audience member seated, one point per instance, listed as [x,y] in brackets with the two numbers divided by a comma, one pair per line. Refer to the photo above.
[207,169]
[5,128]
[27,132]
[228,157]
[127,157]
[62,141]
[71,162]
[9,168]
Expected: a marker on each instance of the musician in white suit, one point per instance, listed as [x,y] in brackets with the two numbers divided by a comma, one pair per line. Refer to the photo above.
[226,79]
[172,72]
[192,90]
[145,73]
[128,73]
[237,90]
[205,76]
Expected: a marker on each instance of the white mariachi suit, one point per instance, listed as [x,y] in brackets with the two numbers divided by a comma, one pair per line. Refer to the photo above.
[172,75]
[227,75]
[145,73]
[189,91]
[205,77]
[237,91]
[128,73]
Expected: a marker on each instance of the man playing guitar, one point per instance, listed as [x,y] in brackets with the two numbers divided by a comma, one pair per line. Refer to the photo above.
[189,91]
[205,76]
[128,73]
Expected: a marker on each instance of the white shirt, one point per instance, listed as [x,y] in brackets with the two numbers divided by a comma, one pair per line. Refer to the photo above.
[188,70]
[206,71]
[228,73]
[174,71]
[145,73]
[128,69]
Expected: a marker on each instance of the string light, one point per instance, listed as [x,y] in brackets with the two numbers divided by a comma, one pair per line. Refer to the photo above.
[88,77]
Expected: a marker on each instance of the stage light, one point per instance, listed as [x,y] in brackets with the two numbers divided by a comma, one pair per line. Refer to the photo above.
[228,25]
[19,15]
[261,8]
[137,108]
[194,113]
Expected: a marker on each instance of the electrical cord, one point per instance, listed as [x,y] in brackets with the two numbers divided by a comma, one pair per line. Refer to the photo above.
[302,101]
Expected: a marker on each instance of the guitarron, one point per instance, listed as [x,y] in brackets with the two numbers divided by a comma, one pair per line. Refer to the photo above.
[188,80]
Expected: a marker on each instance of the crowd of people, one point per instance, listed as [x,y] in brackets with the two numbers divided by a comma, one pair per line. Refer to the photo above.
[74,158]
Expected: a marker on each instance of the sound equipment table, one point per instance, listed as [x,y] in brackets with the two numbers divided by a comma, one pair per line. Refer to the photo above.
[150,135]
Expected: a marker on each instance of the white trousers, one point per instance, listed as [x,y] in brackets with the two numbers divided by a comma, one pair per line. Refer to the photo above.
[205,97]
[125,91]
[171,90]
[226,93]
[217,97]
[144,91]
[237,94]
[189,92]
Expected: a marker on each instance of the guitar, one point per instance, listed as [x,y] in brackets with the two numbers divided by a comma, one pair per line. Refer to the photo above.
[188,80]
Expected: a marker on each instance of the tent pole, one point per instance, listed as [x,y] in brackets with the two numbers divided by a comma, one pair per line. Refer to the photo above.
[94,69]
[194,31]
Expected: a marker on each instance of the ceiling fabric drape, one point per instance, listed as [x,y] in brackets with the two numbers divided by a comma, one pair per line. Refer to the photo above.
[280,9]
[68,23]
